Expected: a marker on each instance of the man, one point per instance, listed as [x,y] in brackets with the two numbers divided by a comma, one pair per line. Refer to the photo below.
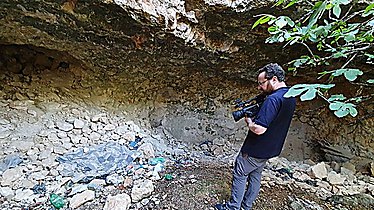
[265,138]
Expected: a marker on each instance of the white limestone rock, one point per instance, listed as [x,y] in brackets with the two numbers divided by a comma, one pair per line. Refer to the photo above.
[141,189]
[79,124]
[109,127]
[318,171]
[147,150]
[22,145]
[335,178]
[118,202]
[10,176]
[81,198]
[7,192]
[64,126]
[24,195]
[94,136]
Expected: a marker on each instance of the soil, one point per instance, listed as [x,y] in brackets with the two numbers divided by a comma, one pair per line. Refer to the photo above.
[202,185]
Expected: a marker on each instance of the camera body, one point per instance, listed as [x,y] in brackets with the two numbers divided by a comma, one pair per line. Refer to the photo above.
[249,108]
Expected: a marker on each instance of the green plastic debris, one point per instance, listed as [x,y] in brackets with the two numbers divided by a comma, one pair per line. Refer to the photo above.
[155,161]
[57,201]
[168,177]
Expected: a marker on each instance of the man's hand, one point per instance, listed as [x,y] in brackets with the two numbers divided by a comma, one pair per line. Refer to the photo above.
[257,129]
[248,120]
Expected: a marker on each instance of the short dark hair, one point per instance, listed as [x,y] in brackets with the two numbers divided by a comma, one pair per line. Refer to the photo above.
[271,70]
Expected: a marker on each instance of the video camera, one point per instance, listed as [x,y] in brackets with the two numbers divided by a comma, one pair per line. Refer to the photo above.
[249,108]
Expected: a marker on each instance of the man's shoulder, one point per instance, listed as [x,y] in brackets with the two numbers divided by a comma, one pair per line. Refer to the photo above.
[277,94]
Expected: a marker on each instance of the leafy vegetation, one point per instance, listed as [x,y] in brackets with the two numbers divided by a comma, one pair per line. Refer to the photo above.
[330,30]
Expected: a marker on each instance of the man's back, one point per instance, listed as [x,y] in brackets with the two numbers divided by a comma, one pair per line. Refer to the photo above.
[275,115]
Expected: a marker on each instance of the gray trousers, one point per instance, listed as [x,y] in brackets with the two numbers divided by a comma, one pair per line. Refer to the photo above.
[247,169]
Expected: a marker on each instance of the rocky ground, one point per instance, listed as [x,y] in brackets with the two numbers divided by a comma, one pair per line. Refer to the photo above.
[200,187]
[60,153]
[68,156]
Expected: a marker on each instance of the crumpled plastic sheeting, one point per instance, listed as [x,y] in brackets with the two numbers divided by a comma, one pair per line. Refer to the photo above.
[10,161]
[98,162]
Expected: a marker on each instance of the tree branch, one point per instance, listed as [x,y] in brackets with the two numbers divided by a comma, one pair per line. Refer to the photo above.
[307,47]
[349,60]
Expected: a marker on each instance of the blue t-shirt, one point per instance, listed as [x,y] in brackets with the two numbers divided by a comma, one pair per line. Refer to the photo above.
[275,114]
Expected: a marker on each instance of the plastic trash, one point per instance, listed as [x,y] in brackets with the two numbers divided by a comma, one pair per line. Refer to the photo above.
[134,144]
[39,188]
[287,171]
[57,201]
[10,161]
[155,161]
[98,161]
[158,167]
[168,177]
[94,187]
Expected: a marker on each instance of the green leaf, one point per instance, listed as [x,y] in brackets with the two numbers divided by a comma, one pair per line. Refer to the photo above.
[353,111]
[329,6]
[281,22]
[290,4]
[301,61]
[356,99]
[368,8]
[339,55]
[279,2]
[335,105]
[339,97]
[295,90]
[341,112]
[351,74]
[272,29]
[345,2]
[369,55]
[336,10]
[290,21]
[338,72]
[309,89]
[309,95]
[319,8]
[326,86]
[317,5]
[343,109]
[349,37]
[287,36]
[262,20]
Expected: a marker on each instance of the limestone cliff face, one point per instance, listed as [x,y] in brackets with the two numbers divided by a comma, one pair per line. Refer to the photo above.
[174,64]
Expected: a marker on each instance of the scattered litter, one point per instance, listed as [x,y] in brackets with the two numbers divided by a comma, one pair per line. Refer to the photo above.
[168,177]
[155,161]
[10,161]
[57,201]
[134,144]
[39,188]
[99,161]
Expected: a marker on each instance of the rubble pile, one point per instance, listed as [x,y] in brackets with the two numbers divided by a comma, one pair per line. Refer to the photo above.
[72,157]
[66,161]
[324,180]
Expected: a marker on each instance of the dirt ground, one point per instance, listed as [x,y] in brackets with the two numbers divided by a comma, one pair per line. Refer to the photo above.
[202,185]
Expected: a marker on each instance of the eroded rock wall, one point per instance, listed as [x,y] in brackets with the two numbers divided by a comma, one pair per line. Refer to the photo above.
[179,76]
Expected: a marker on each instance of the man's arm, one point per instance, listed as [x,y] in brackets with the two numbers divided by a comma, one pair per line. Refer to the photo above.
[257,129]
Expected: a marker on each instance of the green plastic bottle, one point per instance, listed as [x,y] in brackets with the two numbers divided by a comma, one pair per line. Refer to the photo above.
[168,177]
[57,201]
